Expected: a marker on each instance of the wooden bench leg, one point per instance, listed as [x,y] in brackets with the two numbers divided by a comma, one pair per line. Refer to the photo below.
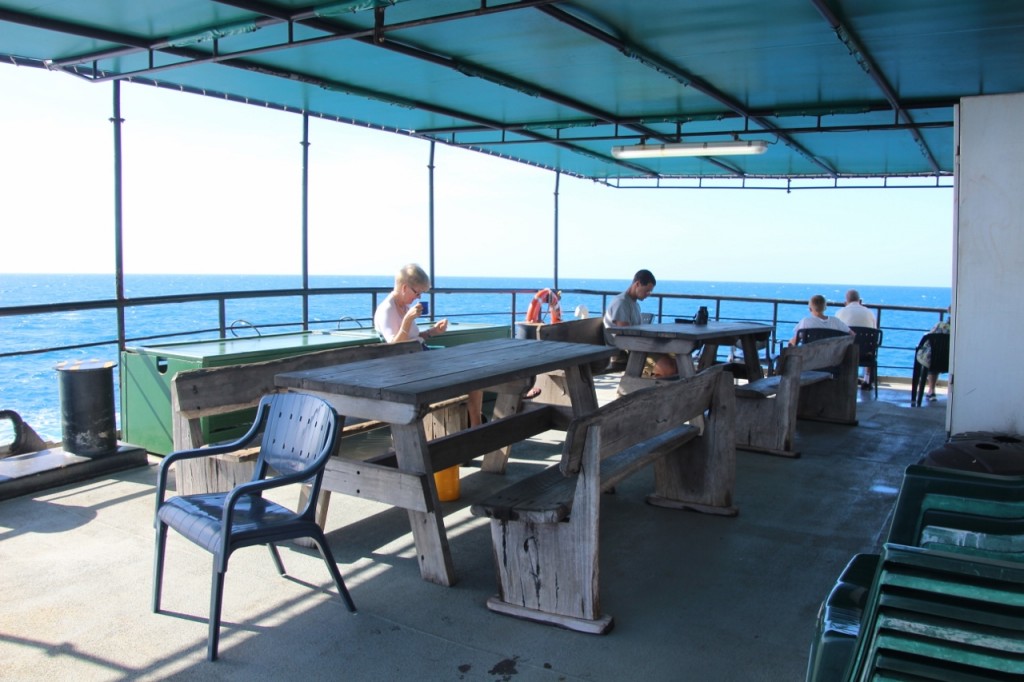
[701,475]
[767,425]
[833,401]
[548,572]
[545,574]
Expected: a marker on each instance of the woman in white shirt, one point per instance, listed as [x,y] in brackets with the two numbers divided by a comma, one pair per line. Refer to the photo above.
[395,320]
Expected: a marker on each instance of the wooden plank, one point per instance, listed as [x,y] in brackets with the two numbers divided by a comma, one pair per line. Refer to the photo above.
[547,497]
[447,372]
[217,390]
[769,386]
[377,482]
[471,443]
[590,330]
[432,549]
[701,474]
[641,415]
[769,425]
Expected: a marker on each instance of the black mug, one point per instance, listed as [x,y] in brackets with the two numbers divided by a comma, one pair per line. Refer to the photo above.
[702,316]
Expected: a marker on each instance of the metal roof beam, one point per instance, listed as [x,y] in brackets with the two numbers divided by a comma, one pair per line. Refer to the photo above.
[804,130]
[374,37]
[680,75]
[863,58]
[270,16]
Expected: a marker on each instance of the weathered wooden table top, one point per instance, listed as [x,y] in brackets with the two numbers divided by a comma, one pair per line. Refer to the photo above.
[696,332]
[428,377]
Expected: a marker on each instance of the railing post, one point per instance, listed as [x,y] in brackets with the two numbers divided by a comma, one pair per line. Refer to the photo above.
[305,221]
[118,219]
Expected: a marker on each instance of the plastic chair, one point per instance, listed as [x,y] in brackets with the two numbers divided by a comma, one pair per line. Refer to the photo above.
[868,342]
[299,433]
[939,343]
[814,334]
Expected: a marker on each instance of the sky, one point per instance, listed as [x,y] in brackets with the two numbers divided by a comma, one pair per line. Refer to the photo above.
[215,187]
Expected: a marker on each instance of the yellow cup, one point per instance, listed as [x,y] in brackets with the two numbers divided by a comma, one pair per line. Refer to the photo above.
[447,482]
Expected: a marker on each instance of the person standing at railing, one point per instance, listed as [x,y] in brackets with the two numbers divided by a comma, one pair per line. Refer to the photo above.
[624,311]
[818,319]
[395,320]
[856,314]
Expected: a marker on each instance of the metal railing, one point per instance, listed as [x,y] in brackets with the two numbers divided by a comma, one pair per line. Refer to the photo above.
[92,330]
[902,325]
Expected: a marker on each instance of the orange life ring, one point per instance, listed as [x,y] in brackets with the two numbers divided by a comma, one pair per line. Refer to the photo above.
[551,298]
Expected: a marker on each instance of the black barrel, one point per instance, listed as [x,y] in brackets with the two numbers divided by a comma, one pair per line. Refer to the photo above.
[88,422]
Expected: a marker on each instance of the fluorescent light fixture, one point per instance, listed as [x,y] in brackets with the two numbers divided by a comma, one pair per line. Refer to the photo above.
[651,151]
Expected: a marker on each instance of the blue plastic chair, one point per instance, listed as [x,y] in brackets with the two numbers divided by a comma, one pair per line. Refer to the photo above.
[868,341]
[299,433]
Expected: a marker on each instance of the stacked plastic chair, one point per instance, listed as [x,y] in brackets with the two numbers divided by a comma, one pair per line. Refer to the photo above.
[945,599]
[934,615]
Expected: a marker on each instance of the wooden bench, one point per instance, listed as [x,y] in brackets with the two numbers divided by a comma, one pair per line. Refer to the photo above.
[545,528]
[219,390]
[589,330]
[817,381]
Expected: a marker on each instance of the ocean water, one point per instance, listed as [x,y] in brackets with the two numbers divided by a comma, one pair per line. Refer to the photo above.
[29,384]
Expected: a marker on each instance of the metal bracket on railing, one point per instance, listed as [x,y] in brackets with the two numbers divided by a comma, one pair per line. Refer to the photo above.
[243,323]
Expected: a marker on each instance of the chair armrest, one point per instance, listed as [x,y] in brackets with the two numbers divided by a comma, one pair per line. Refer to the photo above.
[257,487]
[207,451]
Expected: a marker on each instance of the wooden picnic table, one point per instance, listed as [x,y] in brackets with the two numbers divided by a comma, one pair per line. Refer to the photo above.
[682,339]
[399,390]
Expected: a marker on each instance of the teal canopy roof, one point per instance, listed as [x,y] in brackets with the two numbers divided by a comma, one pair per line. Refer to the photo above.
[839,89]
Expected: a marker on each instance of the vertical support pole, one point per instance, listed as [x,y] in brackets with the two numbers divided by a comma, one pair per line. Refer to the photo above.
[430,224]
[118,217]
[305,221]
[558,177]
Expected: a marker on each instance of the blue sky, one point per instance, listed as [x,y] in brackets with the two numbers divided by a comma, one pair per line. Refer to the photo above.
[213,186]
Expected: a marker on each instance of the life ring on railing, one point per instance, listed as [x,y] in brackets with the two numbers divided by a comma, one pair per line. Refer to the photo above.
[551,298]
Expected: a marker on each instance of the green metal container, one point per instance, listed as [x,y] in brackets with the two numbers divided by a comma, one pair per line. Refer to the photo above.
[469,332]
[146,374]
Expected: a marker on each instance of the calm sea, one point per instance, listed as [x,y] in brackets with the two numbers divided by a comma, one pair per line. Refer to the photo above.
[28,384]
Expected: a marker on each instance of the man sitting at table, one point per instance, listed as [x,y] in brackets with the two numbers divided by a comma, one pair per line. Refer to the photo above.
[624,311]
[818,319]
[395,320]
[856,314]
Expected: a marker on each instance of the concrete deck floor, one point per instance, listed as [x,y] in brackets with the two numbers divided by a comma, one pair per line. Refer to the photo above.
[694,597]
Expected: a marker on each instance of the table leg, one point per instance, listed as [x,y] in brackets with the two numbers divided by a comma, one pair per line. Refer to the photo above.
[579,382]
[506,405]
[751,358]
[708,356]
[435,557]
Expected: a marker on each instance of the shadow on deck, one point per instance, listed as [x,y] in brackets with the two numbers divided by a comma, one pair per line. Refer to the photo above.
[694,597]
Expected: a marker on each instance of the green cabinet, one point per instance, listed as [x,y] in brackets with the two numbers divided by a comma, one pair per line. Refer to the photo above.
[146,374]
[469,332]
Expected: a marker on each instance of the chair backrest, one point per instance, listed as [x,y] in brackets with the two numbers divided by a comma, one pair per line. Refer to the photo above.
[868,341]
[940,351]
[816,333]
[299,434]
